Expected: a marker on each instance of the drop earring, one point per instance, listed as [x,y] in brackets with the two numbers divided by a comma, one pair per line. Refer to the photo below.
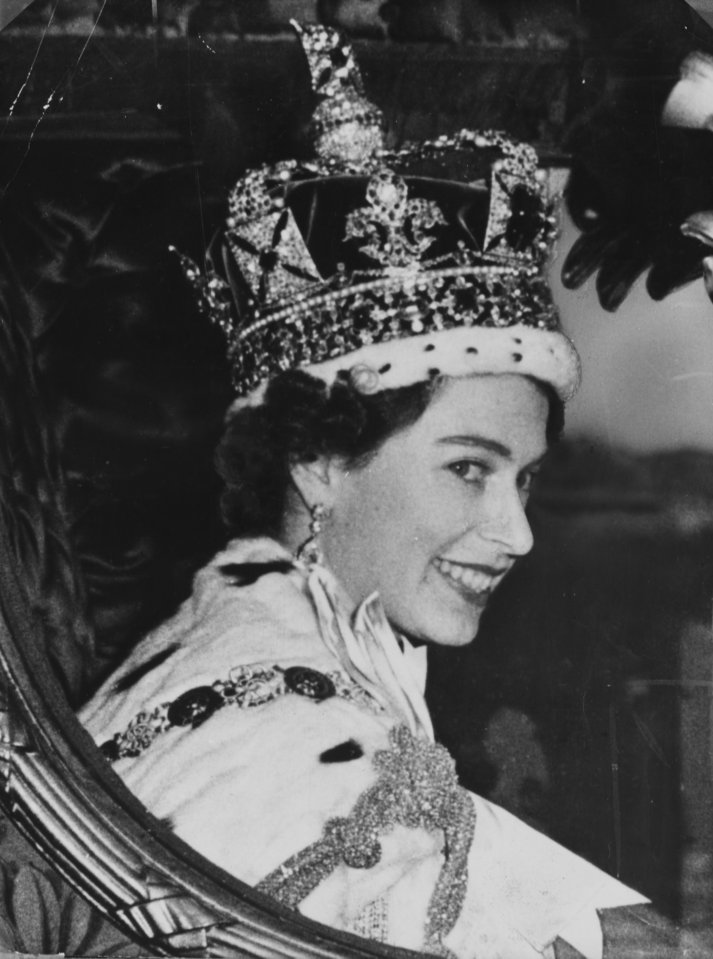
[310,552]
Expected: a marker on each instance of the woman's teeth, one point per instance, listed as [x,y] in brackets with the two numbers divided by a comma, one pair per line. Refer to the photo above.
[472,579]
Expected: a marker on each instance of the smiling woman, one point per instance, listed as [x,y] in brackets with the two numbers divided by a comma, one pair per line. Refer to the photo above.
[295,698]
[392,504]
[435,517]
[399,371]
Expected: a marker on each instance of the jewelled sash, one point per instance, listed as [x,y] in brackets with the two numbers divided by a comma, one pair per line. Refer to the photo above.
[418,788]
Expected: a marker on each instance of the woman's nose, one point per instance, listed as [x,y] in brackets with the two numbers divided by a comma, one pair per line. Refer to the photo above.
[505,522]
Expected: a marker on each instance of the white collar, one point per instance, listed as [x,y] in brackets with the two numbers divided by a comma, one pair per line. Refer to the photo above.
[417,660]
[392,671]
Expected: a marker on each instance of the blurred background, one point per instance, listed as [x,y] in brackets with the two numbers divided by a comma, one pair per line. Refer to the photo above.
[585,705]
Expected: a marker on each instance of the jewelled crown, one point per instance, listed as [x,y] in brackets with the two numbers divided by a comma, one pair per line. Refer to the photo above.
[388,265]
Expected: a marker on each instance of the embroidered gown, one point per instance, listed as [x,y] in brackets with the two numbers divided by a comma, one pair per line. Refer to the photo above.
[290,744]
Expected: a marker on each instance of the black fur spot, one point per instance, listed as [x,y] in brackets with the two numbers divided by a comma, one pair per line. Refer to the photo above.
[245,574]
[110,750]
[126,682]
[343,753]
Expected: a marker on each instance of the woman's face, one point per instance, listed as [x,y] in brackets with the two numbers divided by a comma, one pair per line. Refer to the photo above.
[436,518]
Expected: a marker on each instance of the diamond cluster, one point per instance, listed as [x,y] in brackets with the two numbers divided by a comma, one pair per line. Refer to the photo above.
[417,787]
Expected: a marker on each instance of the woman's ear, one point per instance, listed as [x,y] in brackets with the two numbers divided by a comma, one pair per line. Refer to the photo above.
[317,481]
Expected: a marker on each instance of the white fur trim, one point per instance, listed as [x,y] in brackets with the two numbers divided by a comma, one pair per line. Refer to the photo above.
[546,355]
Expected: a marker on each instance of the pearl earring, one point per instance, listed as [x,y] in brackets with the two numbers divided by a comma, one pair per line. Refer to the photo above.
[310,552]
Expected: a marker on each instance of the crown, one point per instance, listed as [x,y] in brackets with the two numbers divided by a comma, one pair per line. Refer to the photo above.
[397,263]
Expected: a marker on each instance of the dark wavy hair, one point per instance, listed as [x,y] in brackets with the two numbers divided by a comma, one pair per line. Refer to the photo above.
[300,419]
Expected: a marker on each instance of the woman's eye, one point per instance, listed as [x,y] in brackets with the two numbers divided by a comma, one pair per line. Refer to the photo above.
[470,471]
[526,480]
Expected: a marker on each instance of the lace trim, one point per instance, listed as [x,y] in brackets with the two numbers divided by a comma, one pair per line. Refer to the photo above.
[246,687]
[418,788]
[372,922]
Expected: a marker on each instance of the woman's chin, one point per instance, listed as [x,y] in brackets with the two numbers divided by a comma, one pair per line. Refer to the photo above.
[442,628]
[455,637]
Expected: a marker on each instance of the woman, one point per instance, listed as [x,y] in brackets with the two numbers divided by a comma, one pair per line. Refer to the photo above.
[400,371]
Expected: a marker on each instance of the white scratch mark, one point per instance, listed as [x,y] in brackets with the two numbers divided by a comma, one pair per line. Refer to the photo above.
[48,102]
[205,43]
[45,107]
[90,35]
[23,85]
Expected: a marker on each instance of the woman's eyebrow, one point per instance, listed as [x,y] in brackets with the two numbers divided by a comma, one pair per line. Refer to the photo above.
[470,439]
[493,446]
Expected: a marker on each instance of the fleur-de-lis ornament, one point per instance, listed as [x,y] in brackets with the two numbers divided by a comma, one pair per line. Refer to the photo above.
[394,228]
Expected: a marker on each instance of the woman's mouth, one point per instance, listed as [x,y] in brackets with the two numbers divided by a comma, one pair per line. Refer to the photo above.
[476,581]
